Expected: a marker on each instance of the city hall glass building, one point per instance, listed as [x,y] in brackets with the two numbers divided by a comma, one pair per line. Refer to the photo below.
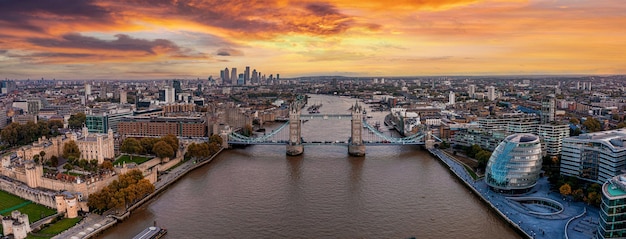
[515,164]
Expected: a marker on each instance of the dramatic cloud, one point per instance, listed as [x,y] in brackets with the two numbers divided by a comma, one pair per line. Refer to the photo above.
[122,43]
[229,52]
[400,37]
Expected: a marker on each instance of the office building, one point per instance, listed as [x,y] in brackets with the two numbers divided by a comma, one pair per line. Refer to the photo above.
[233,76]
[515,164]
[226,77]
[612,223]
[246,76]
[101,122]
[471,91]
[87,89]
[594,157]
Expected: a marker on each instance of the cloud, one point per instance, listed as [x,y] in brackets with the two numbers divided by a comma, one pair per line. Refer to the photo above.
[229,52]
[122,43]
[28,14]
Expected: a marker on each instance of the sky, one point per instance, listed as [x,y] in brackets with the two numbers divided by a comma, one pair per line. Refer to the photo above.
[164,39]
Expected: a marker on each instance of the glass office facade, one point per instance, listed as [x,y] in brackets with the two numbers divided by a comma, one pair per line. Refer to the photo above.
[515,164]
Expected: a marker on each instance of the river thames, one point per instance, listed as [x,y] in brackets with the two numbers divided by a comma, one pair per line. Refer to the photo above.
[259,192]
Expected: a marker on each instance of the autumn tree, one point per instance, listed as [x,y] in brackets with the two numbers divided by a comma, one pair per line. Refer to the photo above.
[216,139]
[172,140]
[71,150]
[126,190]
[147,144]
[247,130]
[565,190]
[163,150]
[131,146]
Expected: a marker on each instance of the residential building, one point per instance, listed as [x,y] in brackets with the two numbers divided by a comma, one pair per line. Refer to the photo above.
[157,127]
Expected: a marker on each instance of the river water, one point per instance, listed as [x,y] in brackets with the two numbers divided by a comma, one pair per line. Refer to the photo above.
[259,192]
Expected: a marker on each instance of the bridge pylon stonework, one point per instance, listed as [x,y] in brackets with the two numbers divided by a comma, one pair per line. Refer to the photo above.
[356,146]
[295,147]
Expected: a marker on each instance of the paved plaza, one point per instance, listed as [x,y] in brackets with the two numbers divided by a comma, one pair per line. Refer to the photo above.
[580,218]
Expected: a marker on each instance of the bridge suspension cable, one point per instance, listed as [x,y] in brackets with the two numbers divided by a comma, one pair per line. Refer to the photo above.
[236,137]
[412,139]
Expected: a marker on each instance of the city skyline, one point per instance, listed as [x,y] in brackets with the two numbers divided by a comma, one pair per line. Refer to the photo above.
[101,39]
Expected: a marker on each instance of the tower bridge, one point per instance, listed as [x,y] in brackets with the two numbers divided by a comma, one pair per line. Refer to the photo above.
[290,134]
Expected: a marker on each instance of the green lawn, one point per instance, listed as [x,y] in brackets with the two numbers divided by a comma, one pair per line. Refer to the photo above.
[471,172]
[56,228]
[9,200]
[125,158]
[34,211]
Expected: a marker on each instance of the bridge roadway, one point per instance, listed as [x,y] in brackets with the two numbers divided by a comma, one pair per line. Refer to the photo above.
[313,143]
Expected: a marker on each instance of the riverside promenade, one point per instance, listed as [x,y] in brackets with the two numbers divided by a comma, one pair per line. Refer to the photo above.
[575,220]
[93,224]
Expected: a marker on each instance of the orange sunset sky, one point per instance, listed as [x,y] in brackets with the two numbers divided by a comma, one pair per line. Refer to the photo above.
[162,39]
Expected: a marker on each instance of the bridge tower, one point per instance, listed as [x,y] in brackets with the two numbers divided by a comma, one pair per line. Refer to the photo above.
[356,147]
[295,147]
[430,142]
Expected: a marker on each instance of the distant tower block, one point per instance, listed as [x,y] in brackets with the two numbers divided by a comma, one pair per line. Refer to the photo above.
[356,147]
[295,146]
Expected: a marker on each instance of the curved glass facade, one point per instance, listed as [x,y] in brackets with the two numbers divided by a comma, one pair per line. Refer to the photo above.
[515,164]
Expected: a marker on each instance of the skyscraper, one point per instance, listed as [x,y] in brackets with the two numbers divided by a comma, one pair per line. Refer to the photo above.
[222,74]
[246,76]
[87,89]
[123,97]
[226,77]
[233,76]
[254,78]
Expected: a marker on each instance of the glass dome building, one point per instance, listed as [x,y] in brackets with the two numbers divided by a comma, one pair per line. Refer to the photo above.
[515,164]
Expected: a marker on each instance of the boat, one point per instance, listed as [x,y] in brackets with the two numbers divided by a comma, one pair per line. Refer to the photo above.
[153,232]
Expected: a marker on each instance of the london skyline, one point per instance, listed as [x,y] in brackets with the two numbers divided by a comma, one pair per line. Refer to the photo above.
[73,39]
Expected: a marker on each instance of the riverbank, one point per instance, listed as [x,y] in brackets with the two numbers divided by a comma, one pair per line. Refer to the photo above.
[573,220]
[95,224]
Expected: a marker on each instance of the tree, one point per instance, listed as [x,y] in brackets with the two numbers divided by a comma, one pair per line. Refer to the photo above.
[163,150]
[578,194]
[574,121]
[216,139]
[131,146]
[10,134]
[147,144]
[76,121]
[592,124]
[54,161]
[71,150]
[107,165]
[68,167]
[565,190]
[483,157]
[172,140]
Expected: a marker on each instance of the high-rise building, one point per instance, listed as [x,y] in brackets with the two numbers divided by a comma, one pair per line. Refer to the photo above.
[246,76]
[548,110]
[233,76]
[491,93]
[123,97]
[471,91]
[241,80]
[222,74]
[451,99]
[177,87]
[226,78]
[87,89]
[255,78]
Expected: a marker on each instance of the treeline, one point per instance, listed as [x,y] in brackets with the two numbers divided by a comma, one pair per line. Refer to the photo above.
[16,134]
[591,193]
[121,193]
[164,147]
[204,150]
[478,153]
